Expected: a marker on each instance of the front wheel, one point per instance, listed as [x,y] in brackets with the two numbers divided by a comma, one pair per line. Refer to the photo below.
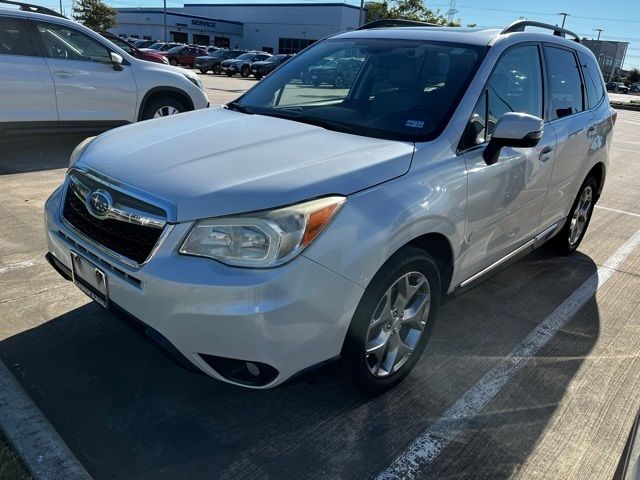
[163,107]
[392,323]
[204,70]
[572,233]
[229,73]
[217,69]
[245,71]
[173,62]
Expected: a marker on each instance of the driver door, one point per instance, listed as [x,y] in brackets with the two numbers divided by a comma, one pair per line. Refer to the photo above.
[504,200]
[87,86]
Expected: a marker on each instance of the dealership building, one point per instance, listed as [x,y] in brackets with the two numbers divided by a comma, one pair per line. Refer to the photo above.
[272,27]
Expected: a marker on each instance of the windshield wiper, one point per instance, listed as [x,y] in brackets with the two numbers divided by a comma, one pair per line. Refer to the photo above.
[318,122]
[238,108]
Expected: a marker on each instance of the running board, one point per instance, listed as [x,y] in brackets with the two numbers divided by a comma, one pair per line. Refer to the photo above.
[530,245]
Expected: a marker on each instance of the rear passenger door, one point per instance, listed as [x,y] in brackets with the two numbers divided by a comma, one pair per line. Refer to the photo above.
[27,92]
[504,200]
[574,125]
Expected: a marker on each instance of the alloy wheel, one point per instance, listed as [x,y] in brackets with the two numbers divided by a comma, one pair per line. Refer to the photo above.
[580,215]
[397,324]
[166,111]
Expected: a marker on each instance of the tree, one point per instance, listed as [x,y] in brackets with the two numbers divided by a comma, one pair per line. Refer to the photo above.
[408,10]
[634,75]
[95,14]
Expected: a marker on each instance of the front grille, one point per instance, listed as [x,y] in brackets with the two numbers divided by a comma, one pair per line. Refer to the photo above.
[130,240]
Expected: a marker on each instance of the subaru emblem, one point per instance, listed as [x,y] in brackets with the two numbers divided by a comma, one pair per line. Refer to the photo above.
[100,203]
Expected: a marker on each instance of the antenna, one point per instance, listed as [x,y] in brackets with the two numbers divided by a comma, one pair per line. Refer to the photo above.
[452,10]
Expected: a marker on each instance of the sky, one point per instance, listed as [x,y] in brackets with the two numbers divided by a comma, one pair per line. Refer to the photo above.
[619,19]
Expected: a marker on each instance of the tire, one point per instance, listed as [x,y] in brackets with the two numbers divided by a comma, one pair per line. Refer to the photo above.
[369,373]
[204,70]
[173,62]
[245,71]
[258,77]
[217,69]
[568,240]
[229,73]
[167,103]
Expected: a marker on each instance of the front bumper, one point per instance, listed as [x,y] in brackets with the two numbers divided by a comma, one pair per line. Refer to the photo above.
[289,318]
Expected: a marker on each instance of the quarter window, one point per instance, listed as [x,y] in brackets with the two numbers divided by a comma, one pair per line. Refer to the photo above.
[69,44]
[14,38]
[515,85]
[593,80]
[565,83]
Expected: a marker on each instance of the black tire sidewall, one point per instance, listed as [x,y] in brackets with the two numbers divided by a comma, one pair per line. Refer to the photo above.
[354,367]
[152,107]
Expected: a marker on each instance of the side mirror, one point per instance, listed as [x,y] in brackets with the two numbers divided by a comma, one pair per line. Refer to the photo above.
[116,61]
[513,130]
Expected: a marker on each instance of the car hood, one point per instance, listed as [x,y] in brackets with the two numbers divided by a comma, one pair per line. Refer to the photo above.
[215,162]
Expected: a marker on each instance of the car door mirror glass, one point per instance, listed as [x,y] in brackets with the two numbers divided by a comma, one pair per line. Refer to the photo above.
[519,130]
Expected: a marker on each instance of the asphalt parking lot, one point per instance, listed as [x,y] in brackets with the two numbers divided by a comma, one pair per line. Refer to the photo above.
[129,412]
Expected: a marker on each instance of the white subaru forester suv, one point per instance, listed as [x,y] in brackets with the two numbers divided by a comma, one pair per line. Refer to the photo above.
[57,75]
[330,223]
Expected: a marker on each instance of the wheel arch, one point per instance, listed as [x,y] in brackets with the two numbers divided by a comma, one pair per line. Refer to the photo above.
[159,92]
[599,172]
[438,246]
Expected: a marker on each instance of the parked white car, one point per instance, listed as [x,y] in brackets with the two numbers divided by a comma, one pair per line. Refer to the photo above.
[56,74]
[321,223]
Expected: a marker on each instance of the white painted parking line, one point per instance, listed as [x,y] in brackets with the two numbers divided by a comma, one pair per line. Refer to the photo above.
[430,444]
[618,211]
[39,446]
[19,265]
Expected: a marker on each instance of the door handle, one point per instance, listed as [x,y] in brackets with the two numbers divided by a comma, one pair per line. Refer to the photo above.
[545,154]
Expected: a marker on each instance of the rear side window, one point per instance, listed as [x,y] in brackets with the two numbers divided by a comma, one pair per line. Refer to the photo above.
[593,80]
[15,38]
[515,85]
[565,82]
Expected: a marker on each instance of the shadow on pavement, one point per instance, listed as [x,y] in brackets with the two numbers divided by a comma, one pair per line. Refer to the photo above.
[47,152]
[127,411]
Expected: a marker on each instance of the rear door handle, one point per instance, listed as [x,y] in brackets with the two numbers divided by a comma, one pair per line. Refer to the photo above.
[545,154]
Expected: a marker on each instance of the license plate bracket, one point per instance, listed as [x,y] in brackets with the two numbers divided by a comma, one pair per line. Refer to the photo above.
[90,279]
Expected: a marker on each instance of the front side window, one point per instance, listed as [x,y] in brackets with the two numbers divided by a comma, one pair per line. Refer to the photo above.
[565,83]
[396,89]
[69,44]
[14,37]
[515,85]
[593,80]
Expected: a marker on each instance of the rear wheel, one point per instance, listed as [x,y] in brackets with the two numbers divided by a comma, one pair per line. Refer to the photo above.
[163,107]
[216,69]
[258,77]
[245,71]
[572,233]
[229,73]
[392,322]
[173,61]
[204,70]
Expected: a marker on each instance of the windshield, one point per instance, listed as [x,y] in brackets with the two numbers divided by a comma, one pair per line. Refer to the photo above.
[156,46]
[217,53]
[175,49]
[246,56]
[395,89]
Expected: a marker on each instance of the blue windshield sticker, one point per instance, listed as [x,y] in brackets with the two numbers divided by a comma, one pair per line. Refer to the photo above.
[414,124]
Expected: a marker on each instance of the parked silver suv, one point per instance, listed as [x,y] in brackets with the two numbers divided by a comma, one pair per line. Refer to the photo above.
[56,74]
[332,222]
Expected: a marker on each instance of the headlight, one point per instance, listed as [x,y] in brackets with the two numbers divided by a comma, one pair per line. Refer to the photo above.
[263,239]
[77,152]
[195,80]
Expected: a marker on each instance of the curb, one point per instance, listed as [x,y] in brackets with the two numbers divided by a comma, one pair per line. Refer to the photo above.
[39,446]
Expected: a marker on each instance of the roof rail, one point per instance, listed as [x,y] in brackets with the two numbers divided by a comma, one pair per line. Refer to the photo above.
[395,22]
[519,26]
[27,7]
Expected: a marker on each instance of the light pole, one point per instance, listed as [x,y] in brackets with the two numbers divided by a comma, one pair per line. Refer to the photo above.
[61,8]
[362,19]
[599,30]
[164,14]
[564,17]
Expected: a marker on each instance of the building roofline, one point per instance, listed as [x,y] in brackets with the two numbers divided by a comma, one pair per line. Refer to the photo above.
[273,4]
[170,12]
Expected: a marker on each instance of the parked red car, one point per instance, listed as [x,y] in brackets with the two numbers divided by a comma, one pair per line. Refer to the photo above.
[184,55]
[133,51]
